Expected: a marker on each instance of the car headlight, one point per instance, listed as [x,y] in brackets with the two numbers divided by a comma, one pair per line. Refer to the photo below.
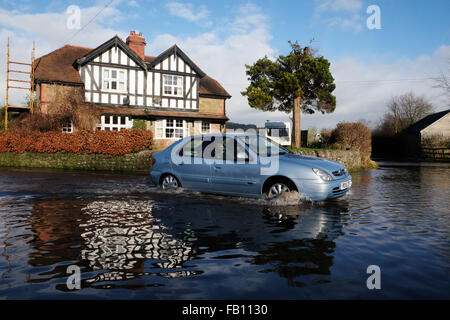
[322,174]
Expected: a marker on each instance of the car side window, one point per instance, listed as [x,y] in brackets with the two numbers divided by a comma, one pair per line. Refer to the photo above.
[192,148]
[233,151]
[208,147]
[219,148]
[242,154]
[196,147]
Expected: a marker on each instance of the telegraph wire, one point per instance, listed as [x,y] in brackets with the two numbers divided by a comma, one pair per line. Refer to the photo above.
[92,19]
[367,82]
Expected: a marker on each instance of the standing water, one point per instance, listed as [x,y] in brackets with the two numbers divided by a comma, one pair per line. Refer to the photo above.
[124,234]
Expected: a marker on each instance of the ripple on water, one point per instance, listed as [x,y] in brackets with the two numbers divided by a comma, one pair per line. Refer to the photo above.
[126,235]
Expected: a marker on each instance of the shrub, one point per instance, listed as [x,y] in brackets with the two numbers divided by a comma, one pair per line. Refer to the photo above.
[322,142]
[139,124]
[67,105]
[353,136]
[436,141]
[84,141]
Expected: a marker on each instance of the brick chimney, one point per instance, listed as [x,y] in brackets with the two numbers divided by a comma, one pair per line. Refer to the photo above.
[136,43]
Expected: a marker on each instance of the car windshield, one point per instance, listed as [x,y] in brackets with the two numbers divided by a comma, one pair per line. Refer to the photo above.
[262,146]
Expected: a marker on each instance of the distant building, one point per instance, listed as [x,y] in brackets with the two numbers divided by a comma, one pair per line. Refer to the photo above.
[435,127]
[240,126]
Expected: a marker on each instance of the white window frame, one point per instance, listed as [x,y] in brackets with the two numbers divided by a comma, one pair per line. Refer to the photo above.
[108,79]
[67,127]
[161,127]
[115,126]
[209,125]
[168,83]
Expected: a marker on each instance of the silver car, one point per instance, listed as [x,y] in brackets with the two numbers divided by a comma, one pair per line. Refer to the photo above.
[246,165]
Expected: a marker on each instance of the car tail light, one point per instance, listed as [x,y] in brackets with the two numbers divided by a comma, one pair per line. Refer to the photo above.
[153,161]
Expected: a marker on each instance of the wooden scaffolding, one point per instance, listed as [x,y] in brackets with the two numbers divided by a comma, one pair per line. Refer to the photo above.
[10,80]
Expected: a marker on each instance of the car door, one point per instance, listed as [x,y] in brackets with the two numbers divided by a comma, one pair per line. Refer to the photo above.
[234,170]
[190,167]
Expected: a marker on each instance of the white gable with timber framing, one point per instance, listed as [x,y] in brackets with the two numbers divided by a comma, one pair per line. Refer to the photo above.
[114,75]
[169,94]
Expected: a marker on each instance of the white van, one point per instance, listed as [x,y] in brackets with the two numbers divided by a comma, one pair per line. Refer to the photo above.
[279,132]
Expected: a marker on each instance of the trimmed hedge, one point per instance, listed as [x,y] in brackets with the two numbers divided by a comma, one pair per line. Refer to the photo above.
[79,142]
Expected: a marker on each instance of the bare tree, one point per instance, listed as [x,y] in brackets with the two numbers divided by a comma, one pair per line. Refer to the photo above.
[443,82]
[403,111]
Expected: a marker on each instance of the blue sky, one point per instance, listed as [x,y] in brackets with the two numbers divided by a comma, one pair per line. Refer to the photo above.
[221,36]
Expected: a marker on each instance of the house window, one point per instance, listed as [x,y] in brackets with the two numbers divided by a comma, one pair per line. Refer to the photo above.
[171,129]
[67,127]
[206,127]
[174,128]
[159,129]
[173,85]
[117,123]
[113,80]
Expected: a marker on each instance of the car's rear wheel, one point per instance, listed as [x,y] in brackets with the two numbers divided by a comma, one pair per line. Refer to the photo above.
[277,188]
[170,182]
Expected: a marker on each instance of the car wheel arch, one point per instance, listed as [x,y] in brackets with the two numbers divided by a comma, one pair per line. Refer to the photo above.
[165,174]
[278,178]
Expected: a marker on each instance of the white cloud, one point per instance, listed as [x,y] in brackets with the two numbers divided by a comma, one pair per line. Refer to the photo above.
[134,4]
[352,22]
[362,90]
[341,13]
[223,52]
[339,5]
[187,11]
[358,97]
[49,31]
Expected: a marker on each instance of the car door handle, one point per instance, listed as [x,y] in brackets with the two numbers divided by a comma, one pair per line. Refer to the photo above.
[218,167]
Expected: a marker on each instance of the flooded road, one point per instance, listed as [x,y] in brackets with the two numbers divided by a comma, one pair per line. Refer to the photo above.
[131,240]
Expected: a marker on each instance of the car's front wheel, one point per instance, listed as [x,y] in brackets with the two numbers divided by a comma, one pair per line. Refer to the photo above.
[277,188]
[170,182]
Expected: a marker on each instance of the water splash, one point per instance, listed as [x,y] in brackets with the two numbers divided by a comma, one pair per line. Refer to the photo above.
[292,198]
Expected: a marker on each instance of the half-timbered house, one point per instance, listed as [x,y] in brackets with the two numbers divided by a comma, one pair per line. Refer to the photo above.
[170,92]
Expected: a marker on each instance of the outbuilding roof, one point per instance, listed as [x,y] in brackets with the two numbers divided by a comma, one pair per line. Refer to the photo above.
[425,122]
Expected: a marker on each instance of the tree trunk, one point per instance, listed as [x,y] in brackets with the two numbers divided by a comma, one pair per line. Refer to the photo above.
[296,132]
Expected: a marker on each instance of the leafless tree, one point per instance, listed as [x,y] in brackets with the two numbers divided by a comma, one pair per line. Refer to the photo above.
[403,111]
[443,82]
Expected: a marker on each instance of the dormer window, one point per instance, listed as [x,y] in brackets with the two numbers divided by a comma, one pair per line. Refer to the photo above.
[173,85]
[113,80]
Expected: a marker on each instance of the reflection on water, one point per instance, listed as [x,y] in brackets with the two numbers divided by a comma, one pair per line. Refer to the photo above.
[120,236]
[144,243]
[115,237]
